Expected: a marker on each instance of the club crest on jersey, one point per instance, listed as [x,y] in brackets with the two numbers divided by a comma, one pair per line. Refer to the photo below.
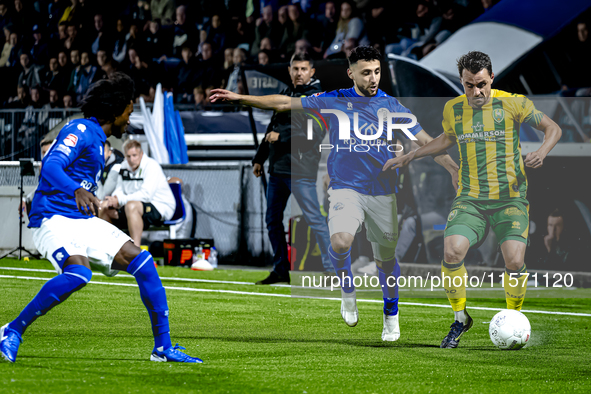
[71,140]
[452,215]
[499,115]
[82,128]
[458,118]
[349,105]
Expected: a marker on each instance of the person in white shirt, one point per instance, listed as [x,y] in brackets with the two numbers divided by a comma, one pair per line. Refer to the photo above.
[142,196]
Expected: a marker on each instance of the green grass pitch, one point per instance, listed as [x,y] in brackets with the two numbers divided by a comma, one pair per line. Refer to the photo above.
[99,341]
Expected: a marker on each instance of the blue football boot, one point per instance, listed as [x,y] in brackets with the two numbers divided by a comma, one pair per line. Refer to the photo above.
[458,329]
[10,340]
[173,355]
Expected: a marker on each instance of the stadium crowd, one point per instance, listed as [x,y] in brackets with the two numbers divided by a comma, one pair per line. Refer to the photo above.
[55,49]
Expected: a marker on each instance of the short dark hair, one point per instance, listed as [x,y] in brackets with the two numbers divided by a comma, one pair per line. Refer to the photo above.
[108,98]
[557,213]
[302,57]
[365,53]
[474,61]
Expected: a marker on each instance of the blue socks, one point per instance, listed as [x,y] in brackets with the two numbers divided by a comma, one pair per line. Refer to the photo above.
[390,293]
[342,265]
[153,296]
[54,292]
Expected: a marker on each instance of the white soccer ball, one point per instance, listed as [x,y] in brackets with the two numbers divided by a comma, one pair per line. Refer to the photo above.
[509,330]
[201,265]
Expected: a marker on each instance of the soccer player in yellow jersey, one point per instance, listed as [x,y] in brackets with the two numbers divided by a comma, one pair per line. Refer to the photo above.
[485,123]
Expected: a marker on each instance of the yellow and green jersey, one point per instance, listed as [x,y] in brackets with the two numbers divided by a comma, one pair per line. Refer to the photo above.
[491,166]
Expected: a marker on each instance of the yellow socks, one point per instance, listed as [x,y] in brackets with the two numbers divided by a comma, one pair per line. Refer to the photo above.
[455,294]
[515,286]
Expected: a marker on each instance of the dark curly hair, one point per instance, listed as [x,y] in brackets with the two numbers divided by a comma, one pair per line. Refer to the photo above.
[474,61]
[366,53]
[106,99]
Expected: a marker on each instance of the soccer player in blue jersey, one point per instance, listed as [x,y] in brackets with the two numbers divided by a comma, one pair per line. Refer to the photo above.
[67,232]
[359,190]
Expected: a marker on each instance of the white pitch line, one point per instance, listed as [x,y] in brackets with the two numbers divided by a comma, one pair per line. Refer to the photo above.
[309,297]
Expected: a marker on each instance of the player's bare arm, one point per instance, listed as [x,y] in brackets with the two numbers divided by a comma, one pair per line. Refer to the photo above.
[443,159]
[552,133]
[275,102]
[434,147]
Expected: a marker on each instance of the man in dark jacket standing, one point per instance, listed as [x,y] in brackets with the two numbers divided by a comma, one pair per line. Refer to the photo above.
[293,167]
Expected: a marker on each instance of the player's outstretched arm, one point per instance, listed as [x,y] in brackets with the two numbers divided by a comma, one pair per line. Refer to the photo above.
[552,133]
[435,147]
[443,159]
[275,102]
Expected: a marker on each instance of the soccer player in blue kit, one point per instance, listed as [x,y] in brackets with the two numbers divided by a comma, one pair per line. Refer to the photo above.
[360,192]
[67,231]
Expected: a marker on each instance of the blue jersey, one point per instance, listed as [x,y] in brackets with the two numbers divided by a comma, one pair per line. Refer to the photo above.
[75,160]
[355,163]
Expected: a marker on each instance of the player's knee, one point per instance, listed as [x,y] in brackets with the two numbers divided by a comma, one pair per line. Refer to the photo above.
[454,252]
[341,242]
[134,207]
[128,252]
[514,265]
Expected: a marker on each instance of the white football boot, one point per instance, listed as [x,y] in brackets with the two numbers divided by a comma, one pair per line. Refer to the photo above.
[391,331]
[349,310]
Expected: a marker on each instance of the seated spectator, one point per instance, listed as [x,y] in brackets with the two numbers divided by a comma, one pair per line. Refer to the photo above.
[266,44]
[54,78]
[216,34]
[296,28]
[154,43]
[207,69]
[303,46]
[185,32]
[104,61]
[68,101]
[14,58]
[83,76]
[564,247]
[29,77]
[349,26]
[73,41]
[108,181]
[39,51]
[132,39]
[328,24]
[239,58]
[6,49]
[186,75]
[199,97]
[64,62]
[21,101]
[120,42]
[139,72]
[202,40]
[266,27]
[99,39]
[58,39]
[5,18]
[264,57]
[142,196]
[50,118]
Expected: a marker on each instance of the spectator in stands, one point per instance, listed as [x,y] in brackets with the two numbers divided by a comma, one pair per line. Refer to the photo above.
[108,181]
[39,50]
[55,10]
[73,41]
[13,56]
[58,38]
[266,44]
[199,97]
[68,101]
[293,167]
[186,75]
[266,26]
[142,196]
[69,12]
[579,49]
[7,48]
[328,24]
[564,249]
[5,18]
[185,32]
[35,93]
[49,117]
[264,57]
[216,34]
[64,62]
[207,68]
[154,42]
[29,77]
[83,76]
[54,100]
[133,39]
[21,101]
[163,10]
[303,45]
[141,12]
[23,15]
[140,74]
[238,59]
[349,26]
[99,39]
[104,61]
[54,78]
[119,42]
[296,28]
